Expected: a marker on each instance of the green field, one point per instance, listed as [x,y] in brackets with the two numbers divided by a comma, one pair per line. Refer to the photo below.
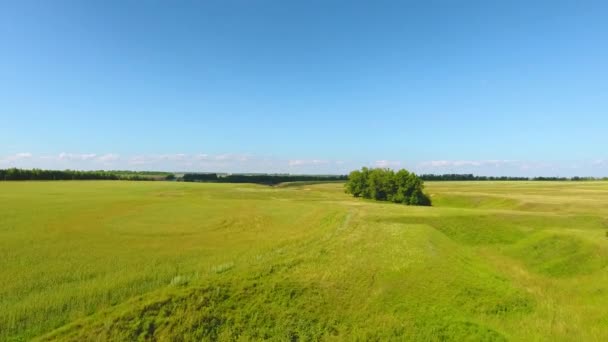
[112,260]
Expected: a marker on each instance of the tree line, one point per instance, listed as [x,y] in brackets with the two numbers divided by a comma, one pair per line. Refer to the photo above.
[39,174]
[267,179]
[467,177]
[471,177]
[387,185]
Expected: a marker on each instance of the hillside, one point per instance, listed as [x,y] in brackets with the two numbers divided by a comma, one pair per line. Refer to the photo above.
[162,260]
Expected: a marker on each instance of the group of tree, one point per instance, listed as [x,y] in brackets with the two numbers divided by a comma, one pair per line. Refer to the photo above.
[468,177]
[39,174]
[387,185]
[575,179]
[471,177]
[268,179]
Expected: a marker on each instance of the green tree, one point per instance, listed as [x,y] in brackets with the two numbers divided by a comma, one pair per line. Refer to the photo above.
[402,191]
[386,185]
[356,183]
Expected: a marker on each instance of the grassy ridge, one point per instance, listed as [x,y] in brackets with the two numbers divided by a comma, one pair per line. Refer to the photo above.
[155,260]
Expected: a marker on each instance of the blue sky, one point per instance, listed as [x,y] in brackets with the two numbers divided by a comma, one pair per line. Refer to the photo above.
[487,87]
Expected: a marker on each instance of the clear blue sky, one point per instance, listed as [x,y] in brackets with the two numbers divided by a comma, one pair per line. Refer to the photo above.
[489,87]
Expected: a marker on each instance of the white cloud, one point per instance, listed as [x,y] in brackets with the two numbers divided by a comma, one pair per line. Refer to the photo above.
[156,158]
[307,162]
[387,163]
[76,156]
[231,157]
[195,162]
[16,157]
[189,160]
[138,160]
[232,162]
[466,163]
[535,165]
[505,167]
[109,157]
[169,157]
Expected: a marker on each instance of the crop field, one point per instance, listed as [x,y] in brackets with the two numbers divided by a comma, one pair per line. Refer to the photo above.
[118,260]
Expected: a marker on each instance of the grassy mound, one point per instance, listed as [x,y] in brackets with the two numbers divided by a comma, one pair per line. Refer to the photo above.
[561,255]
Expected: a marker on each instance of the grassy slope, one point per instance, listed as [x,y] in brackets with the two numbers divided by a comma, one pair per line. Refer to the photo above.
[152,260]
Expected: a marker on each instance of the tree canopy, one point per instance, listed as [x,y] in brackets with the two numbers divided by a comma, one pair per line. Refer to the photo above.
[471,177]
[387,185]
[38,174]
[269,179]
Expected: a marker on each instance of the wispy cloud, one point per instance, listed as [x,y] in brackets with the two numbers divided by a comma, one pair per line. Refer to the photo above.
[387,163]
[600,163]
[184,159]
[15,157]
[232,157]
[232,162]
[470,163]
[76,156]
[305,162]
[500,167]
[108,158]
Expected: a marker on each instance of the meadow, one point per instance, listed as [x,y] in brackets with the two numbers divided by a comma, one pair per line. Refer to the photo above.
[117,260]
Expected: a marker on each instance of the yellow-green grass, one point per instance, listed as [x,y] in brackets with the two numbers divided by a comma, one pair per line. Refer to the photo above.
[110,260]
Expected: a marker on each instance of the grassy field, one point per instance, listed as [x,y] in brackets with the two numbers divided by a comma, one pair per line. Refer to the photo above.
[111,260]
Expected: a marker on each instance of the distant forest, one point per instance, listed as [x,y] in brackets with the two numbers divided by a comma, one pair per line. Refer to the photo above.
[471,177]
[38,174]
[268,179]
[259,179]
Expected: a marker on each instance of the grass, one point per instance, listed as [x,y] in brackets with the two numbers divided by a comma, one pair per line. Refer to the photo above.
[103,260]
